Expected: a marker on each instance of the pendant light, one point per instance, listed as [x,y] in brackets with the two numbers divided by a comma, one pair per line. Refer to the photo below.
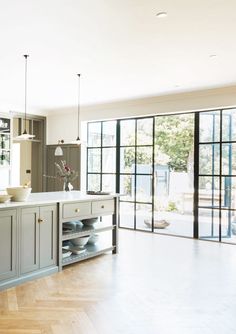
[25,135]
[78,141]
[58,151]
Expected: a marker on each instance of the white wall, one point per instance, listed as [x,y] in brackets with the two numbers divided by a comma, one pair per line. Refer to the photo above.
[62,123]
[61,126]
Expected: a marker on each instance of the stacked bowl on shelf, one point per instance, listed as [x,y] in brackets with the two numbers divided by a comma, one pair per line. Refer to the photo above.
[93,237]
[77,245]
[90,221]
[80,241]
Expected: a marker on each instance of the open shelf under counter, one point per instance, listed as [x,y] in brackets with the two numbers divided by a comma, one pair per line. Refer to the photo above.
[80,230]
[73,211]
[91,251]
[41,219]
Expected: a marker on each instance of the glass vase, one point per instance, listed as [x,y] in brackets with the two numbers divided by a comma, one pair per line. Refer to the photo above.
[67,186]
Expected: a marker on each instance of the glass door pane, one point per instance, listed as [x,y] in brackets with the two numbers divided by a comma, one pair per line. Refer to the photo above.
[94,160]
[209,130]
[127,160]
[109,160]
[229,125]
[209,175]
[217,172]
[144,131]
[136,179]
[173,174]
[209,224]
[127,132]
[209,159]
[127,215]
[94,134]
[109,133]
[144,217]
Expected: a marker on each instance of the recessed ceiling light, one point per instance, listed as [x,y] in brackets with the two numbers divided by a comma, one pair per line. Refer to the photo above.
[161,14]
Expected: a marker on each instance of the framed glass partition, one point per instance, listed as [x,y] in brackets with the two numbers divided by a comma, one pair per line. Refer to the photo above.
[176,173]
[101,156]
[136,173]
[217,175]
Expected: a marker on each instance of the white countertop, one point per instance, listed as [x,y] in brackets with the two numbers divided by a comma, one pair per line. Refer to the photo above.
[56,197]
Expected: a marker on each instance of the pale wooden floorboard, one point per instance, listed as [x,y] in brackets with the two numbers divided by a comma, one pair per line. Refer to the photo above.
[156,285]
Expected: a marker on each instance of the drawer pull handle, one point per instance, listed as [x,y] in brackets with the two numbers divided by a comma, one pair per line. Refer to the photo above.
[77,210]
[40,220]
[102,207]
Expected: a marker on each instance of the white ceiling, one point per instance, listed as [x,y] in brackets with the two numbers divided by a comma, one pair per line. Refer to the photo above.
[120,47]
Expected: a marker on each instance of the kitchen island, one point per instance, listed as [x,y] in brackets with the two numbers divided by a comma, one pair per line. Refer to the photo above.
[32,233]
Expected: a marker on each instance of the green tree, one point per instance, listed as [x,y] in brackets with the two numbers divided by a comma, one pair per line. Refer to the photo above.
[174,137]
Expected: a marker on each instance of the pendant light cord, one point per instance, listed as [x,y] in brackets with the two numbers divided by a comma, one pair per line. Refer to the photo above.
[78,103]
[26,56]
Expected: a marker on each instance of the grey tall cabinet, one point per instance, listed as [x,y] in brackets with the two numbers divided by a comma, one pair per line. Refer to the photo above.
[38,238]
[28,243]
[8,244]
[71,154]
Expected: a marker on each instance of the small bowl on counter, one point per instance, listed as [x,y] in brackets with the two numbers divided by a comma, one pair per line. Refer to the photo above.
[4,198]
[80,241]
[19,194]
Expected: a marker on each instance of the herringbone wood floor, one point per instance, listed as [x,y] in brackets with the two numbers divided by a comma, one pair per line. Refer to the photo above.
[59,303]
[156,285]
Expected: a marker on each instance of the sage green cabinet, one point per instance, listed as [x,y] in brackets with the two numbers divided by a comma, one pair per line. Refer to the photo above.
[48,240]
[38,238]
[29,240]
[8,244]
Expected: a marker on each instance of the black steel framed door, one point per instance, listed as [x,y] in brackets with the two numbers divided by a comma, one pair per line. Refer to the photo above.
[174,170]
[216,175]
[156,173]
[136,161]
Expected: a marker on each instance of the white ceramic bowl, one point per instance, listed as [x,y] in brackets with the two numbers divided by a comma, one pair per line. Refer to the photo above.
[89,222]
[81,241]
[19,194]
[93,239]
[4,198]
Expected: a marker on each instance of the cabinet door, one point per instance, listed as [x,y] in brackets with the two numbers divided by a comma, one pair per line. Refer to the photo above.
[29,240]
[48,236]
[7,244]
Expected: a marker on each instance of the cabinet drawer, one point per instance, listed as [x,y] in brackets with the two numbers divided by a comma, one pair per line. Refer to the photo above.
[100,207]
[73,210]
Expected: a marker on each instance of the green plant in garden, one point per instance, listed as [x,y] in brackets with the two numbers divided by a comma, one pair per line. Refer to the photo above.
[175,137]
[172,206]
